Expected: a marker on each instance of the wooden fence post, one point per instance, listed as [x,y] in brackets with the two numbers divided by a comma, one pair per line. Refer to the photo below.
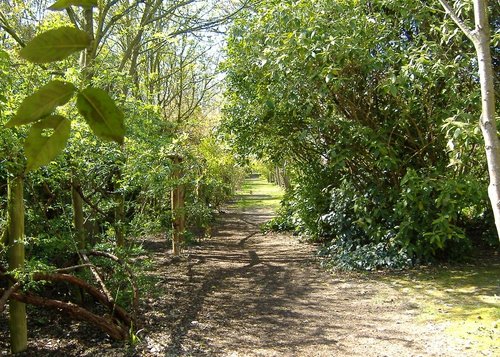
[177,201]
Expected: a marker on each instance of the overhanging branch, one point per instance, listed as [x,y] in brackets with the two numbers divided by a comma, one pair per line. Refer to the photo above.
[454,16]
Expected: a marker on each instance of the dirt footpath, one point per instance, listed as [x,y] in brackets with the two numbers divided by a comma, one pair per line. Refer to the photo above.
[250,294]
[241,293]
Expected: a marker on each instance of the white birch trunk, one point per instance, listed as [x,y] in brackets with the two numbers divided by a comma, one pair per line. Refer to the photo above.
[487,122]
[481,39]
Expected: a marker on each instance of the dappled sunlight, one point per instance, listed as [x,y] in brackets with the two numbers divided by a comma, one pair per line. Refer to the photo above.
[257,193]
[252,294]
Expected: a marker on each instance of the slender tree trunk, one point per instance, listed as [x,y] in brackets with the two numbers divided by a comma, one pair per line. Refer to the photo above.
[4,239]
[286,178]
[17,310]
[487,122]
[119,209]
[87,65]
[279,177]
[177,202]
[89,54]
[77,211]
[480,36]
[181,215]
[86,59]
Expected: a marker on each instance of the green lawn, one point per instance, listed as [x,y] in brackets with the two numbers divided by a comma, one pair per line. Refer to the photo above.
[257,193]
[466,298]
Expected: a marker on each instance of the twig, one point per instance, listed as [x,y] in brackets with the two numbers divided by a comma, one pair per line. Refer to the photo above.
[130,277]
[7,294]
[97,277]
[71,268]
[78,189]
[454,16]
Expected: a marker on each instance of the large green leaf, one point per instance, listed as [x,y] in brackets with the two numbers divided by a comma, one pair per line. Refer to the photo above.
[4,55]
[46,140]
[42,102]
[64,4]
[102,114]
[56,44]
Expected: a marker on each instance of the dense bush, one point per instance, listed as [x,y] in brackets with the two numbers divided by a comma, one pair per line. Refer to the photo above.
[373,105]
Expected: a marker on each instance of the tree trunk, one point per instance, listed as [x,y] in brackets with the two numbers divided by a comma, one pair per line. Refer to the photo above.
[17,310]
[177,202]
[119,198]
[86,60]
[279,177]
[487,122]
[77,212]
[119,220]
[286,179]
[481,39]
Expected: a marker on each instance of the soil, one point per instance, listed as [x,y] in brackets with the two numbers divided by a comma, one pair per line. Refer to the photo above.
[243,293]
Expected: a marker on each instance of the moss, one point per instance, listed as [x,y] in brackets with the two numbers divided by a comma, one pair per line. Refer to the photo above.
[466,299]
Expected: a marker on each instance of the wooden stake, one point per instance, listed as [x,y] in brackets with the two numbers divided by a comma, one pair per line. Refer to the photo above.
[17,310]
[177,201]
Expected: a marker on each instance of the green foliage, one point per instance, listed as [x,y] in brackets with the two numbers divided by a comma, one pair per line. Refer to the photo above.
[94,104]
[43,102]
[448,205]
[102,114]
[55,45]
[285,219]
[149,84]
[374,107]
[51,248]
[212,176]
[46,139]
[199,215]
[64,4]
[372,256]
[141,174]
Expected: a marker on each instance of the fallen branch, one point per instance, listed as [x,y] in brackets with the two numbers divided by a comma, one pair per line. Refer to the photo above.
[107,325]
[120,313]
[117,324]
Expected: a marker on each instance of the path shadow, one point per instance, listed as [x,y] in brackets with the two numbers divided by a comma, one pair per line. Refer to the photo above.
[255,295]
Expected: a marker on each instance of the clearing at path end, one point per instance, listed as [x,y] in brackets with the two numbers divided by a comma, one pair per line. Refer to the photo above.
[242,293]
